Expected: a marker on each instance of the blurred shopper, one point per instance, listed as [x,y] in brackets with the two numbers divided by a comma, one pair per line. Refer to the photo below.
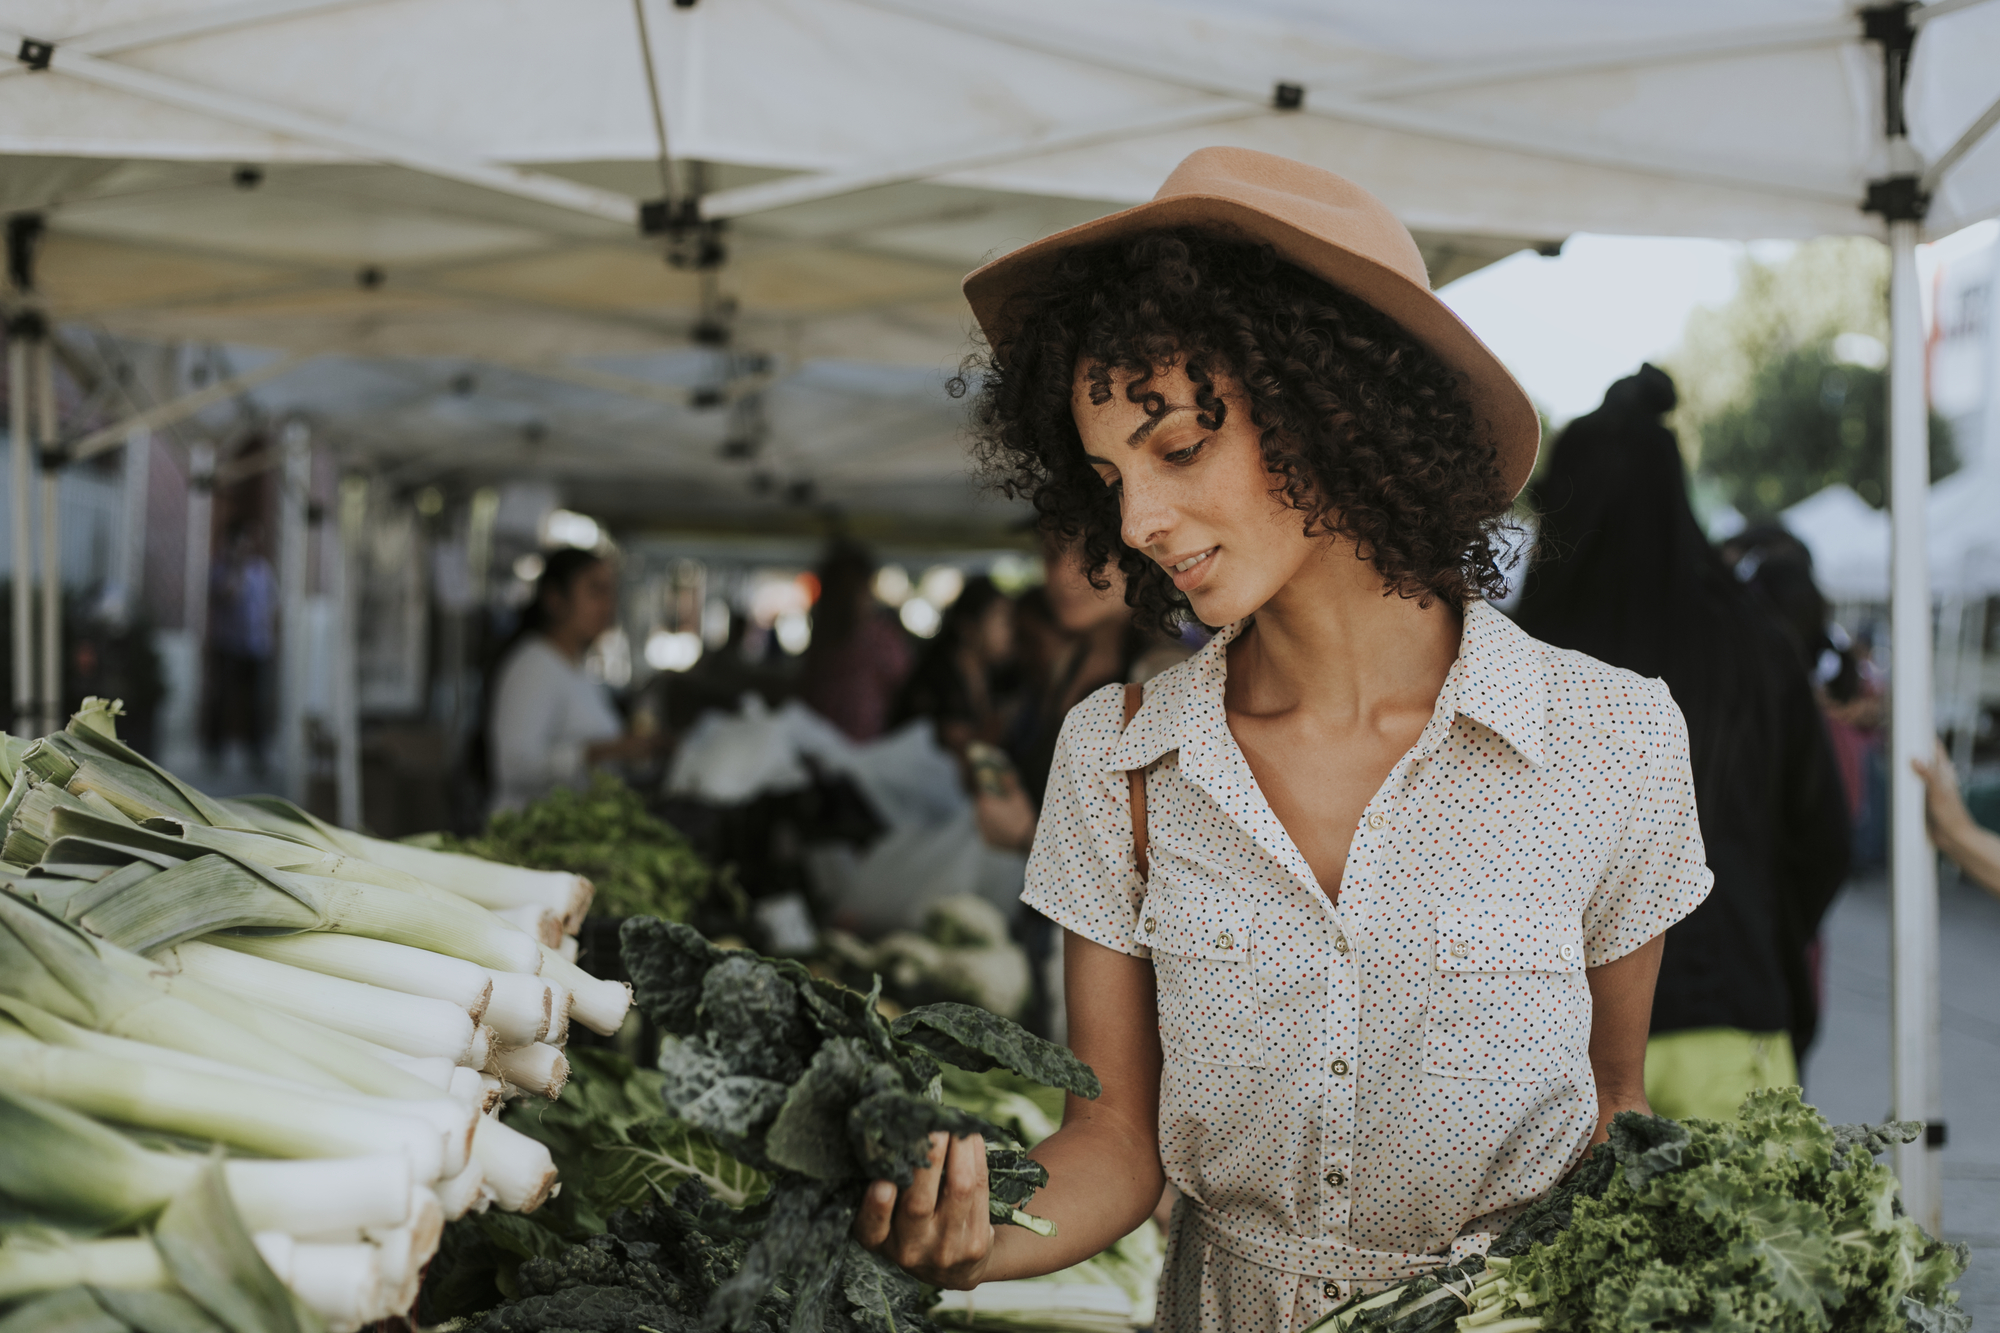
[550,721]
[243,623]
[858,656]
[957,677]
[1626,576]
[1953,829]
[1103,646]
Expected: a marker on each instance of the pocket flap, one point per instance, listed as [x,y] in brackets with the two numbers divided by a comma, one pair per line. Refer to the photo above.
[1195,925]
[1483,942]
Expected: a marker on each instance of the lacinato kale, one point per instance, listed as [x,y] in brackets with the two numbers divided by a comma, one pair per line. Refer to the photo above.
[803,1078]
[1774,1222]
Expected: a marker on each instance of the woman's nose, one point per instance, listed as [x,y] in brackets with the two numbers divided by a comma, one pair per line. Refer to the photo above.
[1145,517]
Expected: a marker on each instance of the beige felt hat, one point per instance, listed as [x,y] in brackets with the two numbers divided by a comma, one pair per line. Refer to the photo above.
[1324,224]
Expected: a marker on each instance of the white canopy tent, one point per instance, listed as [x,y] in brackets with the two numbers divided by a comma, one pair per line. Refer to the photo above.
[398,187]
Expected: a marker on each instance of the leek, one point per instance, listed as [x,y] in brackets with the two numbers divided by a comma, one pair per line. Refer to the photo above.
[58,968]
[342,1283]
[69,1166]
[46,1262]
[463,1193]
[488,883]
[518,1169]
[243,1113]
[453,1118]
[412,1024]
[377,962]
[353,902]
[539,1068]
[538,923]
[597,1003]
[519,1010]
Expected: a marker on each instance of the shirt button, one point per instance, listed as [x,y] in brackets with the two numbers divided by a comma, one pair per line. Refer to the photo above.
[1377,820]
[1225,941]
[1569,951]
[1340,1066]
[1150,925]
[1458,949]
[1340,943]
[1335,1179]
[1331,1290]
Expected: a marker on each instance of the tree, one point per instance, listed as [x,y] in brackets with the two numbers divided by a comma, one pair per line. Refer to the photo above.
[1809,420]
[1782,390]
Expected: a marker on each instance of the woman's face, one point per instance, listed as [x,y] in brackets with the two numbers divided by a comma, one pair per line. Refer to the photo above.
[1198,501]
[1078,607]
[993,633]
[589,606]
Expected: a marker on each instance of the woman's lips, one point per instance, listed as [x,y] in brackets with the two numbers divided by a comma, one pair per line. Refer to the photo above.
[1189,572]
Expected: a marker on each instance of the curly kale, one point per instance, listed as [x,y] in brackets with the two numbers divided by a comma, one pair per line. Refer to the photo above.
[1770,1222]
[803,1078]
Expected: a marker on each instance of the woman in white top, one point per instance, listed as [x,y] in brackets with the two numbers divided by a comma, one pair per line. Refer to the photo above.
[1363,903]
[550,720]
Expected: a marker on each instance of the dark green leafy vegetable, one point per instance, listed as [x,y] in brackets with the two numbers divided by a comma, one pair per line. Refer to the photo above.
[1771,1222]
[640,865]
[975,1040]
[860,1102]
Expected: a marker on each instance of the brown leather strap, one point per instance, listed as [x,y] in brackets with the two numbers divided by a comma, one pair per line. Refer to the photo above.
[1135,695]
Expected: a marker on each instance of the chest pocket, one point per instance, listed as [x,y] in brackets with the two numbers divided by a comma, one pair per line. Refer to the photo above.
[1508,998]
[1203,941]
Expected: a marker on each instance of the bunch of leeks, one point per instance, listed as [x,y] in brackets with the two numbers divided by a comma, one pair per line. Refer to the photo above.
[340,1016]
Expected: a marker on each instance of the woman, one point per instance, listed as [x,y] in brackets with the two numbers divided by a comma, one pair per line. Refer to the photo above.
[1627,576]
[953,683]
[858,657]
[550,720]
[1374,967]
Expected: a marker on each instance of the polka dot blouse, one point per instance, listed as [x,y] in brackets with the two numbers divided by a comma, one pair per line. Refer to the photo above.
[1355,1092]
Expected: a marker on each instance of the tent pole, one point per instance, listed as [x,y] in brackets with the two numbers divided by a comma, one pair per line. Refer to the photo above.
[194,588]
[353,514]
[295,631]
[52,648]
[1913,929]
[136,490]
[21,477]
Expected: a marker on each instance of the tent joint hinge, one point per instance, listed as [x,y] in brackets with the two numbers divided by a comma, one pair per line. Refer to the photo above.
[1288,97]
[1897,198]
[36,55]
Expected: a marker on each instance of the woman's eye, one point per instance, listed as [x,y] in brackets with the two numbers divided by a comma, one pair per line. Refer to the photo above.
[1187,455]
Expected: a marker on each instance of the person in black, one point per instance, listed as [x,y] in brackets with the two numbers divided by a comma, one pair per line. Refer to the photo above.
[956,682]
[1624,573]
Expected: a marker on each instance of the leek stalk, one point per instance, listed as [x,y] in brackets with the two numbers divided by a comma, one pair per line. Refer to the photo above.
[377,962]
[67,1165]
[518,1169]
[519,1010]
[538,1068]
[412,1024]
[241,1112]
[597,1003]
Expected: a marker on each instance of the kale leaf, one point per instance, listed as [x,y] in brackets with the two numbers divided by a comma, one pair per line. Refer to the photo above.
[978,1041]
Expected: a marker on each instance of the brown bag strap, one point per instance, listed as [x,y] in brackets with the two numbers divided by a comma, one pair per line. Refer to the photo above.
[1135,695]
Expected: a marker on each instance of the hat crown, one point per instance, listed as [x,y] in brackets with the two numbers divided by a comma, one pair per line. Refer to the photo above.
[1312,200]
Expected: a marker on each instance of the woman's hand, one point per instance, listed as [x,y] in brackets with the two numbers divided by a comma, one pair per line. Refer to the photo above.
[1006,820]
[939,1228]
[1952,828]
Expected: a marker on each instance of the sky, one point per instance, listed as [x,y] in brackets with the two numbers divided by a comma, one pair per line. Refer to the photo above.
[1569,325]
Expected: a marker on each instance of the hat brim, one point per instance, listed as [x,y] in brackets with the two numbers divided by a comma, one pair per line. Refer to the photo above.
[1497,399]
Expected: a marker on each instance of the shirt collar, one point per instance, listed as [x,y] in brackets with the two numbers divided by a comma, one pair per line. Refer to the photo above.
[1496,681]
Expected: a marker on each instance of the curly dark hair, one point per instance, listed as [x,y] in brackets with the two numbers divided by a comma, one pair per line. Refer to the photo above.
[1367,429]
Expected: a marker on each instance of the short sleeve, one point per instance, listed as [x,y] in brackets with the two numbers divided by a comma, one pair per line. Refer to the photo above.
[1081,873]
[1659,872]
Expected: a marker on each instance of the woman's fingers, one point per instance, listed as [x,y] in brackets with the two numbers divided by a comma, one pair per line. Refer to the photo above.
[938,1227]
[878,1208]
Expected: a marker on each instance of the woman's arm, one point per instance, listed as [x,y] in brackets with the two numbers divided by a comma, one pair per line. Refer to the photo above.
[1976,849]
[1621,1002]
[1104,1163]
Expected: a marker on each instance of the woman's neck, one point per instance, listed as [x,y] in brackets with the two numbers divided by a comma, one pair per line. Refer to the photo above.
[1331,643]
[568,643]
